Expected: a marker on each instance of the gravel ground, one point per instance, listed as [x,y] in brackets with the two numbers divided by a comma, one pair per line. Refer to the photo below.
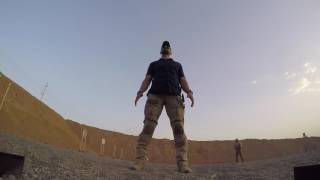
[48,162]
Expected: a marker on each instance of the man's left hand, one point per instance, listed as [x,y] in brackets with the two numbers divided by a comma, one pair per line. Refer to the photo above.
[190,96]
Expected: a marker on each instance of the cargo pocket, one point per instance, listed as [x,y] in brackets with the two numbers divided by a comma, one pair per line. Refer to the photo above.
[151,108]
[180,108]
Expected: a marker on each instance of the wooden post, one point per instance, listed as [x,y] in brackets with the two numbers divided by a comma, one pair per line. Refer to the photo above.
[121,153]
[103,142]
[114,151]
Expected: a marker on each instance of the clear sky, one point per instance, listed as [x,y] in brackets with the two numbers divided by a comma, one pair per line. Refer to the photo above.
[254,66]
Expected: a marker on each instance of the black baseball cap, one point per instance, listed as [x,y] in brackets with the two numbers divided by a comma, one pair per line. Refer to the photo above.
[165,44]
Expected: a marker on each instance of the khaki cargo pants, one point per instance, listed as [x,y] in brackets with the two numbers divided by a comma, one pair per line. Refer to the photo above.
[239,154]
[175,110]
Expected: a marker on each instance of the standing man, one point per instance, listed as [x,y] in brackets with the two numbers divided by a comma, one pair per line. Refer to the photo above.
[305,142]
[167,79]
[237,148]
[304,135]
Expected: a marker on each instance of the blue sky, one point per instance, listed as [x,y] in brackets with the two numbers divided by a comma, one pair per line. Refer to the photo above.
[253,65]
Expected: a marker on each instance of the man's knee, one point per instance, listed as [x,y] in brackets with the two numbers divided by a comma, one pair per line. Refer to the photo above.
[149,127]
[177,128]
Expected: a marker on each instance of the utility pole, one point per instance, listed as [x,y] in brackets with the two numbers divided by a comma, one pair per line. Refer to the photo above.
[5,95]
[44,91]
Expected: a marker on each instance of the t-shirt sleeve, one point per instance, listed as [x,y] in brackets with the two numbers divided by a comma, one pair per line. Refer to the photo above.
[180,71]
[150,70]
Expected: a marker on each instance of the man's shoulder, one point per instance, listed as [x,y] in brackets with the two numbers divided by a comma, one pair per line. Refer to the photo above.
[177,63]
[155,62]
[159,61]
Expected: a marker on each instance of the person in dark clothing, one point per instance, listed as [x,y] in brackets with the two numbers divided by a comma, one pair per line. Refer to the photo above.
[237,148]
[167,78]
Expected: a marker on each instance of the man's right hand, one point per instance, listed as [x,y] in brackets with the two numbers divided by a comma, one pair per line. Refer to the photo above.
[144,86]
[139,95]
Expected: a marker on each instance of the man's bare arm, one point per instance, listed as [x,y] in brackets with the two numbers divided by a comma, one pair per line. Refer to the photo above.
[185,85]
[144,86]
[186,88]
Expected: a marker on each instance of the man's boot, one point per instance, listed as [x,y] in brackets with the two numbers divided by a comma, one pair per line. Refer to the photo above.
[138,165]
[183,167]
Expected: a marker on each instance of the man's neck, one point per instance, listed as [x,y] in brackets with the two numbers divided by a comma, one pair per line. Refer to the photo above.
[165,57]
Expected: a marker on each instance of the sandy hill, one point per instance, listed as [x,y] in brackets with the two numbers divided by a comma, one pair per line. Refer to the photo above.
[24,115]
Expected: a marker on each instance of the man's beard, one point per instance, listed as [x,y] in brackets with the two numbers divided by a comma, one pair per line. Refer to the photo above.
[165,52]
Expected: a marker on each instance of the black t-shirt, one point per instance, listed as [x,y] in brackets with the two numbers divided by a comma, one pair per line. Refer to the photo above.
[166,76]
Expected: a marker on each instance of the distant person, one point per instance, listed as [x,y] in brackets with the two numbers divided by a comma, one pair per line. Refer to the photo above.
[304,135]
[237,148]
[83,140]
[167,79]
[103,142]
[305,143]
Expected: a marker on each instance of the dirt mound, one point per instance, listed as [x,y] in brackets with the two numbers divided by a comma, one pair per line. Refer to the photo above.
[24,115]
[50,162]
